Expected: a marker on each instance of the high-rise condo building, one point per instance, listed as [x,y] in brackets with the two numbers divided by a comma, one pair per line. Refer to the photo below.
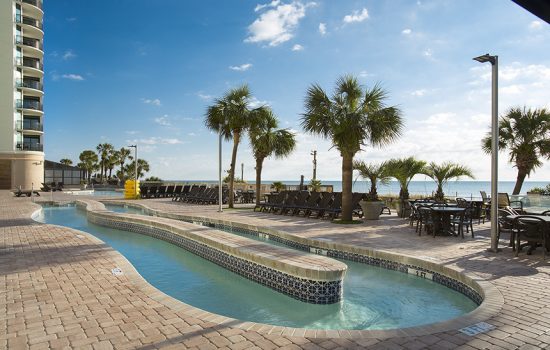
[21,94]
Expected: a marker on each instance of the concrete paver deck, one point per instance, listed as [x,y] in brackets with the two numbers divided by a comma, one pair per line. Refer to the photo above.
[57,289]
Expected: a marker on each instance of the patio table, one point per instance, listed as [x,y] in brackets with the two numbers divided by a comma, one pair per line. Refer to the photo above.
[442,219]
[546,218]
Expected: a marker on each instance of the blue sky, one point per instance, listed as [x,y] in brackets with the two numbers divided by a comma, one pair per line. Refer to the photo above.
[145,71]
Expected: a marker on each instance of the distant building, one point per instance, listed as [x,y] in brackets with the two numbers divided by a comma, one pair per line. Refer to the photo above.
[21,94]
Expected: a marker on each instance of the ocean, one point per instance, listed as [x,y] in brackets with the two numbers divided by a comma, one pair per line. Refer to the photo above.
[465,189]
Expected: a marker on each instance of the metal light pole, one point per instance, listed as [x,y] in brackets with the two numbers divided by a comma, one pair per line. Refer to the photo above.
[314,154]
[494,148]
[220,193]
[136,170]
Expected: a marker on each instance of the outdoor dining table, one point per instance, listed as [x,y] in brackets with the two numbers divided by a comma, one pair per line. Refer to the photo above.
[442,219]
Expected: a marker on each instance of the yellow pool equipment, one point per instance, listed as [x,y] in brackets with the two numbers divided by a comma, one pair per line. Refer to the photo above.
[131,189]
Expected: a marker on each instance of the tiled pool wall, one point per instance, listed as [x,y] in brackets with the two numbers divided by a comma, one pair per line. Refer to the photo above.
[310,291]
[421,272]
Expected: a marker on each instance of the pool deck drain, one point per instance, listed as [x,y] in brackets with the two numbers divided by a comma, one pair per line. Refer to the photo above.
[58,291]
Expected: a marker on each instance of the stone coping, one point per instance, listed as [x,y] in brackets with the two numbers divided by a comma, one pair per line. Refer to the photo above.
[491,305]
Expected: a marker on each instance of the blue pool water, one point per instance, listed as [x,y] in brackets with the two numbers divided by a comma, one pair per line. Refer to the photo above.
[374,298]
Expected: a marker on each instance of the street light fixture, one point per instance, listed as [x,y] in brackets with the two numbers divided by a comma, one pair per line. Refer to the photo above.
[136,170]
[494,148]
[220,191]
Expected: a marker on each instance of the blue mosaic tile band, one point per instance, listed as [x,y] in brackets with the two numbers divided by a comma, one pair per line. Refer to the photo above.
[361,258]
[311,291]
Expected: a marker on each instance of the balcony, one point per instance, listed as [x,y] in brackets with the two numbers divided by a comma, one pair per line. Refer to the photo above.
[29,104]
[31,84]
[30,125]
[29,21]
[29,62]
[30,146]
[37,3]
[30,42]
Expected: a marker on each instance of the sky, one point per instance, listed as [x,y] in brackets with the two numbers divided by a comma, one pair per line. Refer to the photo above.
[141,71]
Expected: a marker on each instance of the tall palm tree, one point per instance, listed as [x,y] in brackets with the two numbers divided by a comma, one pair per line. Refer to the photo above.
[123,155]
[143,167]
[442,173]
[232,115]
[403,170]
[103,150]
[351,119]
[526,134]
[375,173]
[66,161]
[112,160]
[88,160]
[267,140]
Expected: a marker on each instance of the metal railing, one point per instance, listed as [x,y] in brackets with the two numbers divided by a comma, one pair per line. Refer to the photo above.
[37,3]
[29,104]
[31,84]
[32,125]
[30,146]
[31,42]
[29,62]
[29,20]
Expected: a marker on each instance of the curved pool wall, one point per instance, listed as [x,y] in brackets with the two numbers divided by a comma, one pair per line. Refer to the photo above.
[440,274]
[312,279]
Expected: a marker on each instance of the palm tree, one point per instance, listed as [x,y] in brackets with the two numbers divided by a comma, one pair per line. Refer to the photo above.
[441,174]
[351,119]
[403,170]
[103,150]
[375,173]
[233,116]
[123,154]
[66,161]
[143,167]
[267,140]
[112,160]
[526,134]
[88,161]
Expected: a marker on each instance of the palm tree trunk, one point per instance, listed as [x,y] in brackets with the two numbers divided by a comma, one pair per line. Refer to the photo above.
[347,178]
[236,139]
[259,164]
[519,181]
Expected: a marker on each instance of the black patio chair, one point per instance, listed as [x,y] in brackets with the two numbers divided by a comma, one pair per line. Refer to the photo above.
[299,201]
[322,205]
[152,192]
[335,207]
[425,220]
[310,204]
[533,230]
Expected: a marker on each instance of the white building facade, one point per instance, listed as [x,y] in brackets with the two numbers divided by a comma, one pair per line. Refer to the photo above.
[21,94]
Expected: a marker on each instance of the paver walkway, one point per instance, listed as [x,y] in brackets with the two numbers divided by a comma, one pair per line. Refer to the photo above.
[57,289]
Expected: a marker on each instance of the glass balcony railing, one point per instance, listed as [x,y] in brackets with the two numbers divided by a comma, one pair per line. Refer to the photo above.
[33,125]
[31,84]
[29,20]
[37,3]
[29,62]
[29,104]
[30,146]
[31,42]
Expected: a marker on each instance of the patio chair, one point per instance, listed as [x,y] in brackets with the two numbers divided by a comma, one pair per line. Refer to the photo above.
[58,186]
[287,203]
[274,200]
[531,229]
[425,219]
[462,220]
[357,197]
[161,192]
[323,204]
[45,187]
[152,192]
[335,207]
[22,193]
[504,201]
[310,204]
[299,201]
[177,191]
[169,191]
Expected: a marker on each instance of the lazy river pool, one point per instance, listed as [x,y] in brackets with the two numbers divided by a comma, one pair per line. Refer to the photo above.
[374,298]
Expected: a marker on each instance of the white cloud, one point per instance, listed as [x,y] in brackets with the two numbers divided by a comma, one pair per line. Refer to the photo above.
[75,77]
[164,120]
[70,19]
[154,102]
[406,31]
[131,132]
[357,16]
[274,3]
[204,97]
[419,93]
[277,24]
[364,74]
[242,67]
[535,25]
[427,53]
[297,47]
[192,134]
[255,103]
[322,28]
[68,55]
[156,141]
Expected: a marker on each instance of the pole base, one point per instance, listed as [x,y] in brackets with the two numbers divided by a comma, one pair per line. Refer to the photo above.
[491,250]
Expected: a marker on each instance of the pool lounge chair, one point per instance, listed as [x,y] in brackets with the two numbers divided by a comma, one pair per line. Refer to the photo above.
[46,188]
[298,201]
[335,207]
[310,204]
[324,204]
[25,193]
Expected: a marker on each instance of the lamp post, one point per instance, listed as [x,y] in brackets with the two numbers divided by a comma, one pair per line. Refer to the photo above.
[494,148]
[220,193]
[136,170]
[314,154]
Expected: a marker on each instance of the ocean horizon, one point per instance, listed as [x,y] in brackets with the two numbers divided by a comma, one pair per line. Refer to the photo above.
[466,189]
